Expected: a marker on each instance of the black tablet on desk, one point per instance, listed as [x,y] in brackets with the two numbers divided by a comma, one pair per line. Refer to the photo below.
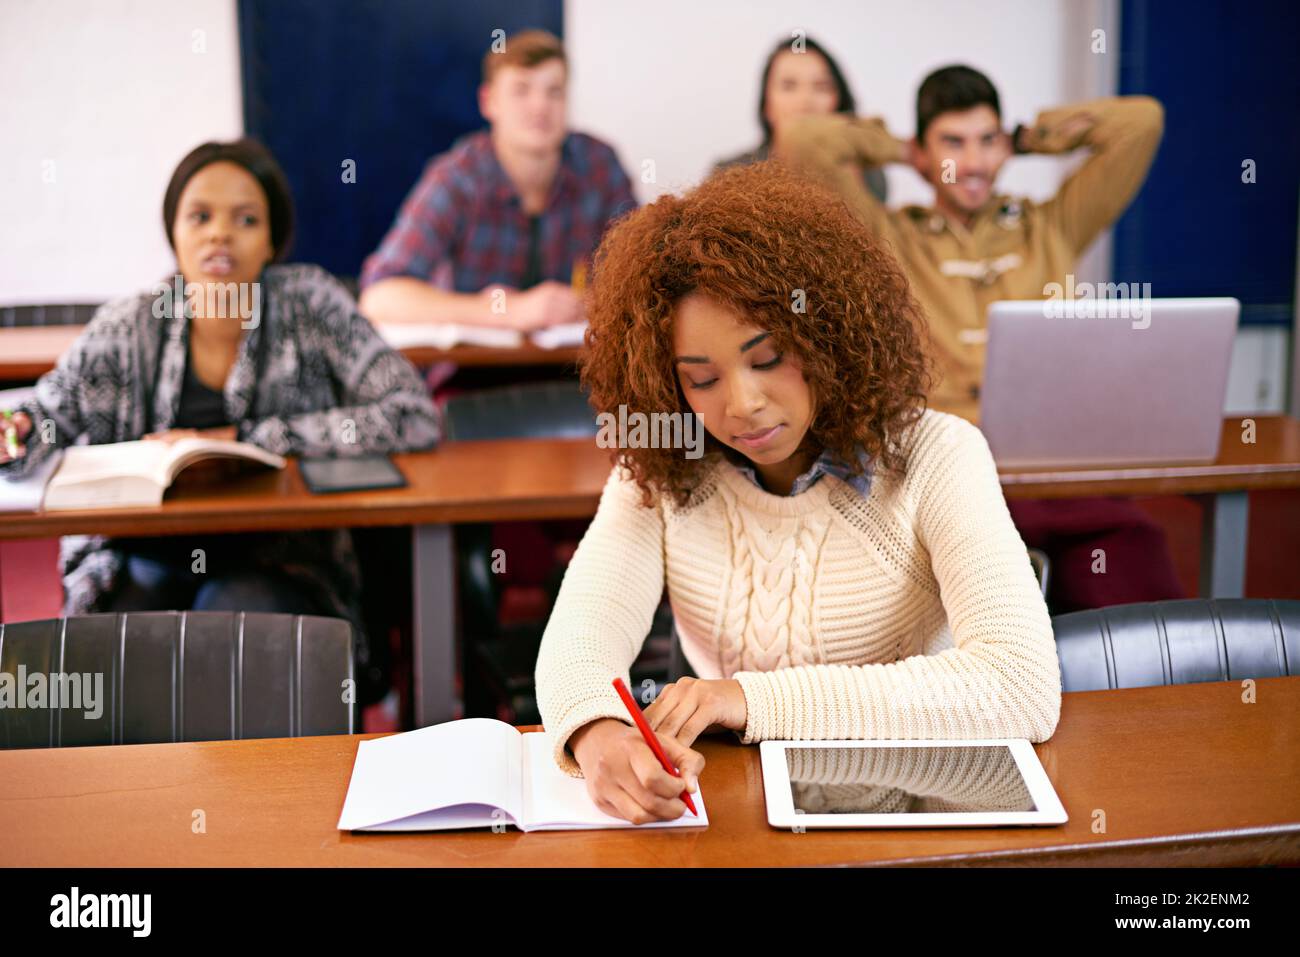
[353,474]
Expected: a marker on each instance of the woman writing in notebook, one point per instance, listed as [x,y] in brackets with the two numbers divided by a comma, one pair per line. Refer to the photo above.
[840,562]
[235,345]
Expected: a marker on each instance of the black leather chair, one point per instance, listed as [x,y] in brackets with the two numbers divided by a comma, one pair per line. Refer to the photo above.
[59,314]
[529,410]
[178,676]
[1177,642]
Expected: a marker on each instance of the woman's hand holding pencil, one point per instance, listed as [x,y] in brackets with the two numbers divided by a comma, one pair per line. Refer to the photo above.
[626,778]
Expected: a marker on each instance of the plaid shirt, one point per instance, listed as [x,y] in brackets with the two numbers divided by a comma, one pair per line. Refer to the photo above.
[828,463]
[464,213]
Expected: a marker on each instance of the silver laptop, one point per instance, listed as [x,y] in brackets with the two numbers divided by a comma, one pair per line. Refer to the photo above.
[1094,382]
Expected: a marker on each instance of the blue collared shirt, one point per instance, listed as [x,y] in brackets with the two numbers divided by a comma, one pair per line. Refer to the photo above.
[828,463]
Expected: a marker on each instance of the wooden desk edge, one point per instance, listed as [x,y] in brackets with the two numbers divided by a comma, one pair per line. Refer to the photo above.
[308,512]
[57,338]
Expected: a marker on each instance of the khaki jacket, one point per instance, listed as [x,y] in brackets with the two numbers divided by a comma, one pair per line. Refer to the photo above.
[1013,247]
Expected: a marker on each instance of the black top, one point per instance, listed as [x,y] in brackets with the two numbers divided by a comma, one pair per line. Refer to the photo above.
[533,271]
[200,407]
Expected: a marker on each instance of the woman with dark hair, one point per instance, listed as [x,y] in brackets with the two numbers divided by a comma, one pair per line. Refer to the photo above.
[839,560]
[235,345]
[800,78]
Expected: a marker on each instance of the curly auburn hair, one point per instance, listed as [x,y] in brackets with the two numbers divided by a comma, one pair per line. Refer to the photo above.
[750,237]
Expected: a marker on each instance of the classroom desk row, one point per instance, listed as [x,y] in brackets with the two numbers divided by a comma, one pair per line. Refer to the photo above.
[529,479]
[1186,775]
[29,352]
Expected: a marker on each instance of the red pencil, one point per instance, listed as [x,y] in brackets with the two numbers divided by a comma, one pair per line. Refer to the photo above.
[650,739]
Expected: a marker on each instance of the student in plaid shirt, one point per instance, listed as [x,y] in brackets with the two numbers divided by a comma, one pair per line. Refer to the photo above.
[509,216]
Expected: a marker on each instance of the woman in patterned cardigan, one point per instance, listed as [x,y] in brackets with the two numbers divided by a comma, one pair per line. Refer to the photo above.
[276,355]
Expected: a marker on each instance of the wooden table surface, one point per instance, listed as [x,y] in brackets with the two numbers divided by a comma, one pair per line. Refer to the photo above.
[478,481]
[503,480]
[28,352]
[1272,460]
[1186,775]
[524,355]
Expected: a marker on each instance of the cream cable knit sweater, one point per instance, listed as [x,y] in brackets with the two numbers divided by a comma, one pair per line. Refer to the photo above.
[911,613]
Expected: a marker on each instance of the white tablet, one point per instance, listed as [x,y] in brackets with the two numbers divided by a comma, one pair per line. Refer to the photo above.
[943,783]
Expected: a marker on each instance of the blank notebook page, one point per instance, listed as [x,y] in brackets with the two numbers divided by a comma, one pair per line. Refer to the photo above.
[397,778]
[554,800]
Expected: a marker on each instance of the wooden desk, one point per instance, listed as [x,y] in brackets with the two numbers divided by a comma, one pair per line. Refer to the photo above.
[1271,461]
[481,481]
[529,479]
[524,355]
[1185,775]
[460,482]
[28,352]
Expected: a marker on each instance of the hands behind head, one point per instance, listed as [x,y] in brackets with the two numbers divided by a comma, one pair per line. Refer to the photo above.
[1061,137]
[916,159]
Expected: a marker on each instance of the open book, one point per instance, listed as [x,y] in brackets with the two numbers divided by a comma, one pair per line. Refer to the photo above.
[24,494]
[447,335]
[476,772]
[561,336]
[120,474]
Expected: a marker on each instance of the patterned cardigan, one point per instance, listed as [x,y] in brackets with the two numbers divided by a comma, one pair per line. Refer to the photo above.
[329,385]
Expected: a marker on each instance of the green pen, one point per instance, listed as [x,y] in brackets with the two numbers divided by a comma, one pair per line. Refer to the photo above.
[11,434]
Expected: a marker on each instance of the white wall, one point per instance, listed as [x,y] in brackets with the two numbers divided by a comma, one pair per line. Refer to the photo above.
[678,82]
[103,98]
[113,93]
[1257,375]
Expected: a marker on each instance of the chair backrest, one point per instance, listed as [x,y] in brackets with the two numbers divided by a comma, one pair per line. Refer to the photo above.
[61,314]
[149,677]
[529,410]
[1177,642]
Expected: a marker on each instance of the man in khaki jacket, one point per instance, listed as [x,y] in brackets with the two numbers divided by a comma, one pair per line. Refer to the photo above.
[976,246]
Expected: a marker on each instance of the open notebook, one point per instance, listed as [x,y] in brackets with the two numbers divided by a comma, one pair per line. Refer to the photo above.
[475,772]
